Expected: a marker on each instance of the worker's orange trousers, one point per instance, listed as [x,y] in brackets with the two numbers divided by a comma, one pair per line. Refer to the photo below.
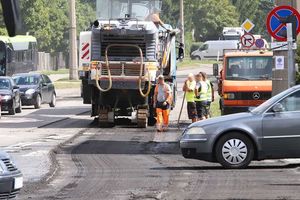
[162,117]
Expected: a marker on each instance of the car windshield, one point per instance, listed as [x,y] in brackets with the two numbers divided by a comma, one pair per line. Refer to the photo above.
[26,80]
[140,9]
[249,68]
[267,104]
[5,84]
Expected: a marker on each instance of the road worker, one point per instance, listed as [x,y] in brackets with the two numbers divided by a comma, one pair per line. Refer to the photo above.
[201,92]
[162,103]
[210,94]
[155,18]
[189,89]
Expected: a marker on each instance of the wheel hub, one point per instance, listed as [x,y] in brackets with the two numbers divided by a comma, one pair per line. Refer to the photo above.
[234,151]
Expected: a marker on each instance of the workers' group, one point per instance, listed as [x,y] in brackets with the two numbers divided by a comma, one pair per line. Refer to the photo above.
[199,93]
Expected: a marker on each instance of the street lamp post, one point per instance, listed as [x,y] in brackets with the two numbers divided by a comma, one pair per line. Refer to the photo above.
[73,68]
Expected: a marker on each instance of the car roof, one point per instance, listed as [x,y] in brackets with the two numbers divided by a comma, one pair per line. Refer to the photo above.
[5,77]
[296,87]
[28,74]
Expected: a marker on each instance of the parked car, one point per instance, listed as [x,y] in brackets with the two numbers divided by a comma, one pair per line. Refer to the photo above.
[11,179]
[214,49]
[270,131]
[36,89]
[10,96]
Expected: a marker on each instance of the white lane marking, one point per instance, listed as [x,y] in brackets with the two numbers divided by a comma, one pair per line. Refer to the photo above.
[20,145]
[36,153]
[19,120]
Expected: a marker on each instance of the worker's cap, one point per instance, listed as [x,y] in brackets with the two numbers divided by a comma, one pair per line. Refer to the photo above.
[160,77]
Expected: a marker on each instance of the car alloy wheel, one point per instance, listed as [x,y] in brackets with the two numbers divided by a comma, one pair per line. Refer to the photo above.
[234,151]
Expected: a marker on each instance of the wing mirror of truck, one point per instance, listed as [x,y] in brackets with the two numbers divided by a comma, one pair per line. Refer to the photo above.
[11,15]
[216,69]
[180,52]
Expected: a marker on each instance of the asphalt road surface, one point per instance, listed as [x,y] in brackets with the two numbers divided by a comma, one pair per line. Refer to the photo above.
[124,162]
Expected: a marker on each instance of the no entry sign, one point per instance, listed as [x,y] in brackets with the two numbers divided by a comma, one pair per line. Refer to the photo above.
[274,24]
[260,43]
[247,40]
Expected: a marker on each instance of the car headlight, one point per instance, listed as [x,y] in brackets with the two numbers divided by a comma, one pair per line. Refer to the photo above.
[30,92]
[6,97]
[229,96]
[195,131]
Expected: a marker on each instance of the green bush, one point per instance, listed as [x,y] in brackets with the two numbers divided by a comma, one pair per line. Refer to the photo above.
[298,62]
[297,78]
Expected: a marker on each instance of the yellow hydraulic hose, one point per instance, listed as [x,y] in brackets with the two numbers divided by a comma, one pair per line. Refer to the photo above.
[98,77]
[109,81]
[141,68]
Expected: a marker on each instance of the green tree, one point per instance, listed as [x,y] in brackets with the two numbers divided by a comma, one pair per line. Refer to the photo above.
[256,11]
[260,18]
[49,22]
[210,16]
[36,15]
[246,9]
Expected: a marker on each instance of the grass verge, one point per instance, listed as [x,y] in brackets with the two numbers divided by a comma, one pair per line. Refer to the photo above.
[51,72]
[66,83]
[195,63]
[215,108]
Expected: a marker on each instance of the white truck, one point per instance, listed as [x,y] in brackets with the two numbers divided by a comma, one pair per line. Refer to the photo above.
[232,33]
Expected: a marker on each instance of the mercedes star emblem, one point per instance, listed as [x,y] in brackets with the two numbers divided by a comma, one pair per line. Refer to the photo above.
[256,96]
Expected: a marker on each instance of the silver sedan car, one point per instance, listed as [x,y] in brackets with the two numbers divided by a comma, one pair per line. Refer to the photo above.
[270,131]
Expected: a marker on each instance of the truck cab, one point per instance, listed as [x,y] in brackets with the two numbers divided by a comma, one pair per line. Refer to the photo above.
[245,80]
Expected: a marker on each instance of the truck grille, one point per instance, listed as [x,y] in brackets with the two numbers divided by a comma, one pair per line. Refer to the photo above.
[122,70]
[253,95]
[10,167]
[146,40]
[10,195]
[123,51]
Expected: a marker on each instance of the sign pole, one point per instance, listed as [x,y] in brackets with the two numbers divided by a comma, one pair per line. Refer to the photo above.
[291,56]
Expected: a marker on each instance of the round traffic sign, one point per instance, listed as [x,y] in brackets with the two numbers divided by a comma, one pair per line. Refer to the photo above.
[247,40]
[259,43]
[274,24]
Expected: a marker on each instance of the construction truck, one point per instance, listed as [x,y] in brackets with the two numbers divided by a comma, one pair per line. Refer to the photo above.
[245,80]
[121,57]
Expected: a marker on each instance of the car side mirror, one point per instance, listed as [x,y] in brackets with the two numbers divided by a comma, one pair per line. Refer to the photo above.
[251,108]
[278,108]
[12,17]
[16,87]
[44,84]
[216,69]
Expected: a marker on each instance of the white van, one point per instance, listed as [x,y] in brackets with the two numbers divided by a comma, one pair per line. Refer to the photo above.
[213,50]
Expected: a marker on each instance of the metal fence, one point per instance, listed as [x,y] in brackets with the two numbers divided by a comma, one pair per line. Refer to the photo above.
[47,61]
